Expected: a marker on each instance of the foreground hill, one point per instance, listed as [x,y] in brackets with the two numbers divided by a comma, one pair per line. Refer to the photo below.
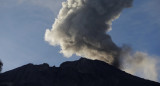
[83,72]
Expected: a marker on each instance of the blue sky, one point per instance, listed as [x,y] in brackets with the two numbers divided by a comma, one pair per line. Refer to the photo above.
[23,24]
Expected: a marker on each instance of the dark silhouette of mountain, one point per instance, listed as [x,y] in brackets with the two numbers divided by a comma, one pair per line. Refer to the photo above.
[83,72]
[1,64]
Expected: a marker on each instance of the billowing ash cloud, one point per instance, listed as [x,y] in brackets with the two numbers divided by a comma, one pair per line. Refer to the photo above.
[81,28]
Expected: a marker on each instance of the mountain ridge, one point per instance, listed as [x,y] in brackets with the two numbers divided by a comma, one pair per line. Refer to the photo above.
[82,72]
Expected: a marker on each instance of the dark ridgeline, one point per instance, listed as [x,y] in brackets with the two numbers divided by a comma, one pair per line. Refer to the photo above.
[83,72]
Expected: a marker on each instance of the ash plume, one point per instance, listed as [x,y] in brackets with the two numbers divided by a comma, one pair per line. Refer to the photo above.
[139,63]
[81,28]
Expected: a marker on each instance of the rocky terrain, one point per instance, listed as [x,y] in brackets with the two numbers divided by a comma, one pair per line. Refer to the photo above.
[83,72]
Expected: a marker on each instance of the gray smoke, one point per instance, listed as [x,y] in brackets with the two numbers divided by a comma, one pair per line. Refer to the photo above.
[139,63]
[81,28]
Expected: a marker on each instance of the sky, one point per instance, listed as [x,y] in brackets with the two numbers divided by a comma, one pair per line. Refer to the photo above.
[23,24]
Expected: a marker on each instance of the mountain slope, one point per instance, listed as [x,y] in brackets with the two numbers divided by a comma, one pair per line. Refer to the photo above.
[83,72]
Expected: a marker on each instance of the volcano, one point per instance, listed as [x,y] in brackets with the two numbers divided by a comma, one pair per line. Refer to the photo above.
[83,72]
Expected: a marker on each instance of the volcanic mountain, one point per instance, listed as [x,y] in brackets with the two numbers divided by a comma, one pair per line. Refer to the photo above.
[83,72]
